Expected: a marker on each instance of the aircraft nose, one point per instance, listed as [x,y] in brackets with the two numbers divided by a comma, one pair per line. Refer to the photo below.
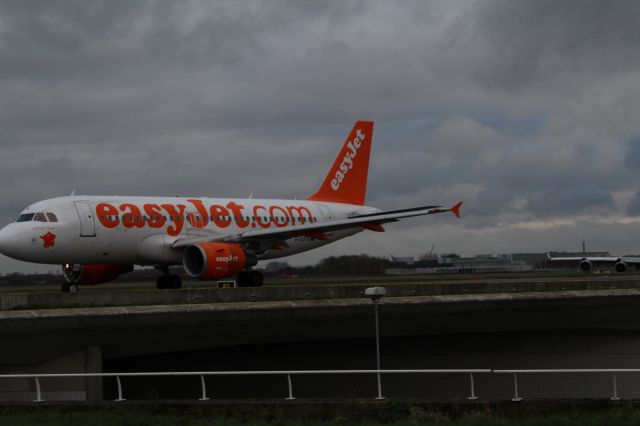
[6,240]
[3,240]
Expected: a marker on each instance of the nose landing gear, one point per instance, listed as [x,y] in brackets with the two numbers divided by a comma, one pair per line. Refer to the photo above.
[71,274]
[70,288]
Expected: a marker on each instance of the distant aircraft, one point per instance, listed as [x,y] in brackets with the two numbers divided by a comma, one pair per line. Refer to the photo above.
[97,238]
[586,263]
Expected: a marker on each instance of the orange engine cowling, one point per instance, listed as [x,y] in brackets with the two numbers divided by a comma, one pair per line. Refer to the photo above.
[211,261]
[93,274]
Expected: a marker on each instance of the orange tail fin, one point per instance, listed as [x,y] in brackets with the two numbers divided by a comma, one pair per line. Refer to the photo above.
[346,181]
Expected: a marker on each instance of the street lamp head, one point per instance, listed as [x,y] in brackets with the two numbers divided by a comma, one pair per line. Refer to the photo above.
[375,293]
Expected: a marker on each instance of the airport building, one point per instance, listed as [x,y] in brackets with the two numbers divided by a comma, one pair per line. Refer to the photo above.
[455,264]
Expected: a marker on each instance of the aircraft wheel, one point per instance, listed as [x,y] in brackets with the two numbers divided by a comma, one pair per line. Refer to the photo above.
[65,287]
[175,282]
[74,288]
[242,279]
[255,278]
[161,282]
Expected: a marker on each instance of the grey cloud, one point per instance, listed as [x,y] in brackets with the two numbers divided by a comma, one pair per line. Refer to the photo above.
[522,43]
[633,207]
[632,159]
[526,110]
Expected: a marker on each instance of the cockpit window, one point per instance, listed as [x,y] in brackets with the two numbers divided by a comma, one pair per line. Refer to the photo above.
[40,217]
[52,217]
[25,217]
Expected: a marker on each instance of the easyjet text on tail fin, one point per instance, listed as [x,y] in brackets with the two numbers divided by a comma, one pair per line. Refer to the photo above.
[346,181]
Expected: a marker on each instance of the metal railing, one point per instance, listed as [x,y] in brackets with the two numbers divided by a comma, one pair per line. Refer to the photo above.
[203,374]
[613,371]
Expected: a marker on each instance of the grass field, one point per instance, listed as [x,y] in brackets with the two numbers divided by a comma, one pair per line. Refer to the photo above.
[333,281]
[387,414]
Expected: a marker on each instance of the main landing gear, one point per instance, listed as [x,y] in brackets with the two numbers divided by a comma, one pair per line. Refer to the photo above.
[249,278]
[168,281]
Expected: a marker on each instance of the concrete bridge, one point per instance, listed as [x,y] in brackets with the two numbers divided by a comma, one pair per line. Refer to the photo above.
[494,324]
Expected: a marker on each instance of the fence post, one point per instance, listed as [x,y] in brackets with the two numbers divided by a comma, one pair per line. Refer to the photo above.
[120,398]
[290,397]
[38,392]
[615,396]
[375,309]
[516,397]
[473,388]
[204,389]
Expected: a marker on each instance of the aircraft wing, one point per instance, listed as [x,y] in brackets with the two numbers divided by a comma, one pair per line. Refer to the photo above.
[372,221]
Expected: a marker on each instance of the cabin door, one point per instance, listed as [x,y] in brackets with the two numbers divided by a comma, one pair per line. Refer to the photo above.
[87,221]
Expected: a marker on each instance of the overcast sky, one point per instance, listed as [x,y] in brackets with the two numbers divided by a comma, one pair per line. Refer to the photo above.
[528,110]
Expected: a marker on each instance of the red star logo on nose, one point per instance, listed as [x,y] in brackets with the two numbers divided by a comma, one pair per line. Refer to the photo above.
[48,240]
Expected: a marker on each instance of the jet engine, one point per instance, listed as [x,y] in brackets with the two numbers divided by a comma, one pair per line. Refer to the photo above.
[620,267]
[212,261]
[93,274]
[586,265]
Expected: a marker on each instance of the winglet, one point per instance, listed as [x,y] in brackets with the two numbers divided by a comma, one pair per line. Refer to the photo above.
[456,209]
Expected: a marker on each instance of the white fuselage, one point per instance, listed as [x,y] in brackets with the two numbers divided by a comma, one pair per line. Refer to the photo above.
[142,230]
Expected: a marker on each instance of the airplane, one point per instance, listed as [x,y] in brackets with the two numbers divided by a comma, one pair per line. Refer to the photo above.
[586,263]
[98,238]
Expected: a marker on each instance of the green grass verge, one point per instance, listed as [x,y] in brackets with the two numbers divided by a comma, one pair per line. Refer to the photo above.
[388,414]
[331,281]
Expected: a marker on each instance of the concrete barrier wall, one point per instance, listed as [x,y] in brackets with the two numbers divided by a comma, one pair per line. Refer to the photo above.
[149,297]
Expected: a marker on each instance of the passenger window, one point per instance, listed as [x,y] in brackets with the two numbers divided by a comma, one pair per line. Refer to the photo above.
[25,217]
[52,217]
[40,217]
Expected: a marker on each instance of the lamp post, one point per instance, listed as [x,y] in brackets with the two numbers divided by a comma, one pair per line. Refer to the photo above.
[376,293]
